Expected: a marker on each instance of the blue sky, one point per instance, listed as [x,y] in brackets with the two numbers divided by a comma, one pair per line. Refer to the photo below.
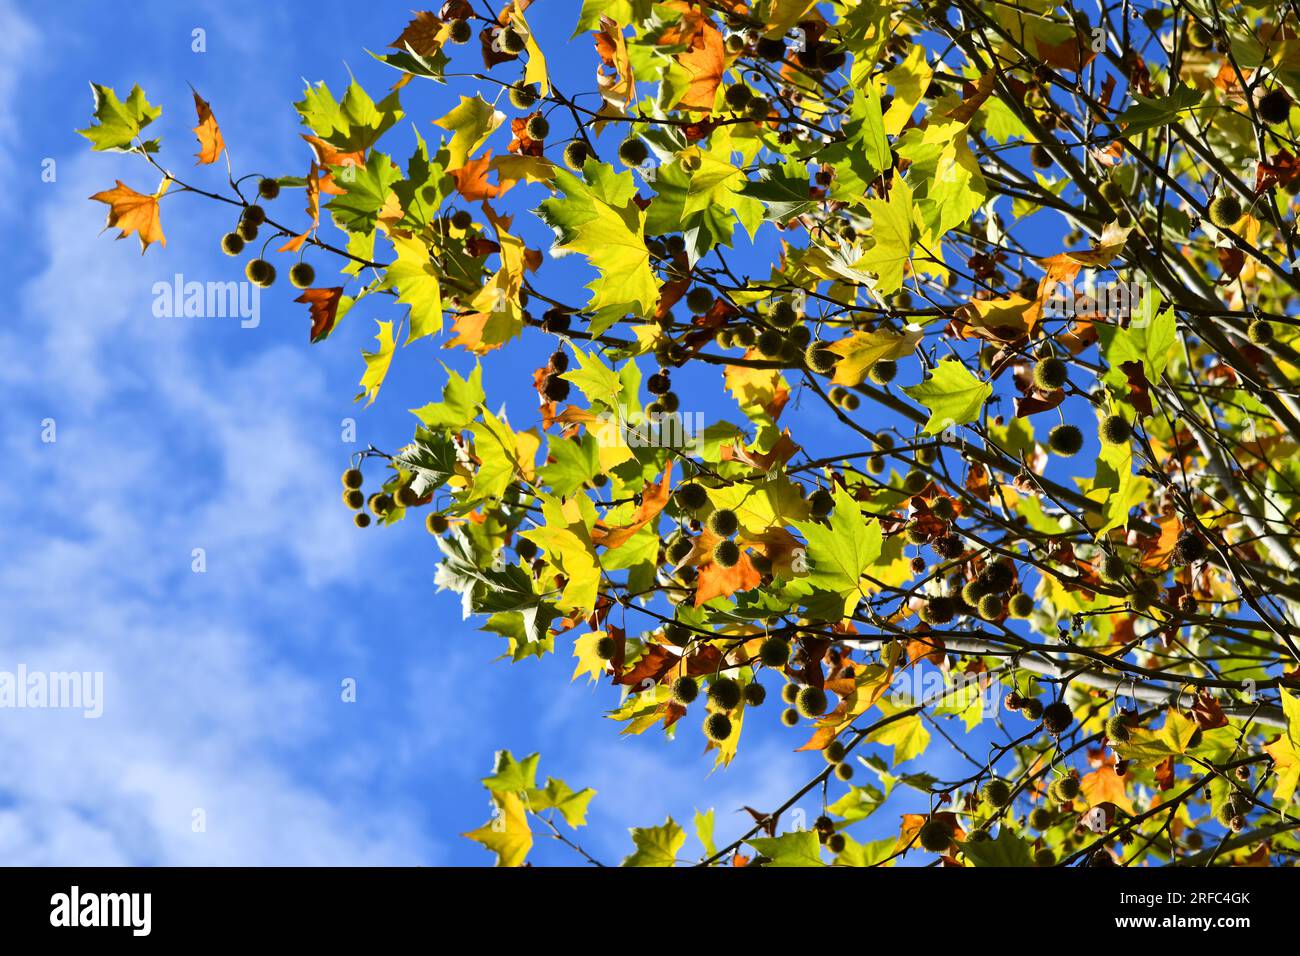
[222,689]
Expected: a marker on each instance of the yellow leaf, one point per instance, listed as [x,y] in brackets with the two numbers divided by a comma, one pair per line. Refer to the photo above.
[507,834]
[377,363]
[211,142]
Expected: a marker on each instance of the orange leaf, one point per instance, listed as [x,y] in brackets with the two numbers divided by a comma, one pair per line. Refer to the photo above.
[1104,785]
[653,499]
[131,211]
[211,142]
[313,209]
[471,179]
[424,35]
[324,305]
[705,61]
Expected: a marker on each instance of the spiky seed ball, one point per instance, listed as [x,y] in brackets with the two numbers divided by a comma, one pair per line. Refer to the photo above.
[1190,548]
[927,455]
[915,482]
[352,478]
[527,550]
[755,694]
[510,41]
[254,214]
[938,610]
[820,359]
[850,403]
[1050,374]
[978,836]
[790,693]
[738,96]
[361,519]
[354,498]
[1057,717]
[380,504]
[770,343]
[996,793]
[1118,730]
[875,464]
[1261,332]
[998,575]
[461,219]
[699,300]
[717,727]
[811,702]
[1021,605]
[1112,192]
[406,496]
[633,152]
[935,836]
[537,128]
[990,607]
[758,109]
[726,553]
[1040,156]
[915,534]
[1111,568]
[1067,788]
[745,336]
[834,752]
[1275,106]
[1115,430]
[247,231]
[232,243]
[679,551]
[605,647]
[883,371]
[761,562]
[659,384]
[790,717]
[522,96]
[302,275]
[821,502]
[1065,440]
[691,497]
[1225,211]
[725,693]
[723,522]
[844,771]
[774,652]
[685,690]
[459,31]
[1144,594]
[268,188]
[1040,818]
[783,315]
[260,272]
[1033,710]
[575,154]
[555,388]
[949,546]
[836,843]
[972,592]
[437,523]
[836,394]
[1044,857]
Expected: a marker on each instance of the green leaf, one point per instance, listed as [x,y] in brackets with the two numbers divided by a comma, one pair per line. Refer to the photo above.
[893,225]
[513,775]
[470,124]
[356,123]
[366,189]
[431,456]
[704,831]
[117,124]
[952,394]
[601,222]
[1007,850]
[838,555]
[907,735]
[800,848]
[1147,113]
[783,189]
[656,846]
[414,277]
[558,796]
[595,379]
[461,399]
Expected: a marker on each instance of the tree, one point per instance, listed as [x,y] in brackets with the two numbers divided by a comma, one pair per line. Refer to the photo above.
[1070,535]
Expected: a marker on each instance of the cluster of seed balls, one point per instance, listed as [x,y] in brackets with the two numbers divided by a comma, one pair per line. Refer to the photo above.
[692,497]
[260,272]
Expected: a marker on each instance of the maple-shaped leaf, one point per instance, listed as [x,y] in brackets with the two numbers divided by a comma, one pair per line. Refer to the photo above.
[461,398]
[656,846]
[1285,751]
[366,190]
[134,212]
[893,226]
[1006,850]
[704,61]
[414,277]
[952,394]
[558,795]
[838,554]
[470,124]
[377,363]
[907,735]
[859,351]
[211,142]
[507,835]
[354,124]
[117,124]
[601,221]
[798,848]
[324,306]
